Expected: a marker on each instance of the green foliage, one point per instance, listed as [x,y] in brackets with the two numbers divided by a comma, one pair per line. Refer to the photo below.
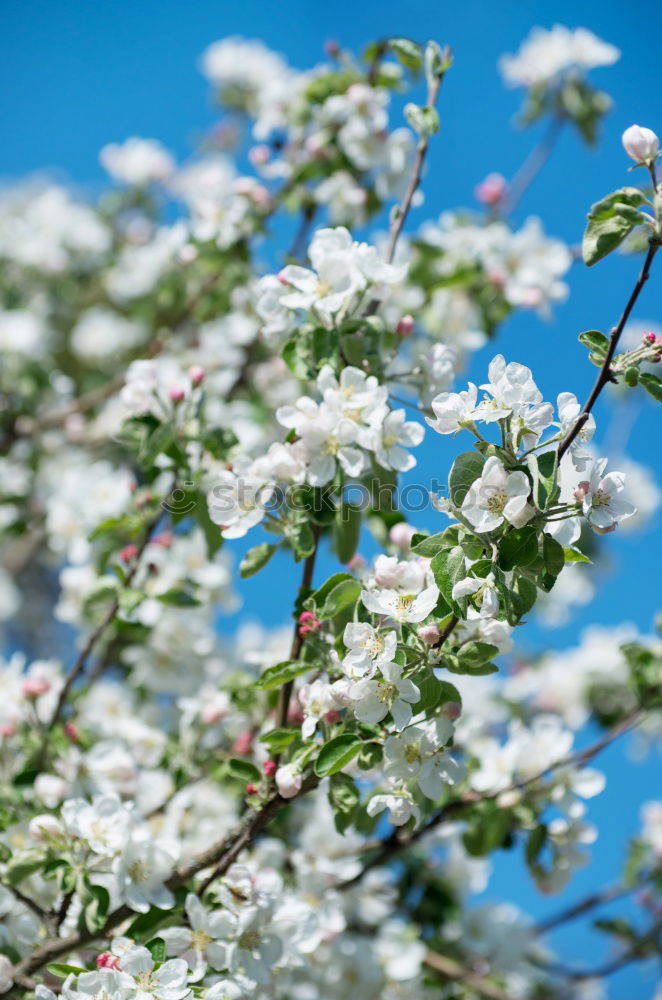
[255,559]
[281,673]
[609,222]
[338,752]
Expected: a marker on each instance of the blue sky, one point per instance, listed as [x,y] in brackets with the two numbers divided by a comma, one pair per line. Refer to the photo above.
[76,75]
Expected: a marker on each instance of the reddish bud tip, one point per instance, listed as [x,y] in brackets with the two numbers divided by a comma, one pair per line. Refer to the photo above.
[177,393]
[405,326]
[251,789]
[128,553]
[269,767]
[196,373]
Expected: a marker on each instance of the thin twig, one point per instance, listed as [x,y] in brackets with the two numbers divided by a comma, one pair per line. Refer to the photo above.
[396,842]
[453,970]
[604,375]
[533,164]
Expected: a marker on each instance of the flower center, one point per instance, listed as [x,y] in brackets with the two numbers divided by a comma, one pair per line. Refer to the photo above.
[600,499]
[138,871]
[497,502]
[404,602]
[249,940]
[412,753]
[200,939]
[386,692]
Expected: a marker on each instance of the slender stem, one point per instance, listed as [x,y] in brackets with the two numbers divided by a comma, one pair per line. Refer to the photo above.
[400,216]
[297,638]
[606,895]
[533,164]
[396,842]
[456,972]
[604,375]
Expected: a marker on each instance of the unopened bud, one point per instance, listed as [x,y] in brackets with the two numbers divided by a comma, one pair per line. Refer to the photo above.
[251,789]
[177,393]
[269,767]
[405,326]
[34,687]
[45,825]
[491,190]
[196,373]
[452,710]
[401,534]
[129,553]
[641,144]
[107,961]
[429,634]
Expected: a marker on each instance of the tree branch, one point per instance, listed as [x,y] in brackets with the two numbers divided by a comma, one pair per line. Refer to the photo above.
[604,375]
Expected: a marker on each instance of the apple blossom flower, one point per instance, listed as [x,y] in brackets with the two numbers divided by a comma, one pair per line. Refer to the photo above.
[367,649]
[373,699]
[600,498]
[569,411]
[453,410]
[497,496]
[168,982]
[141,870]
[388,439]
[483,592]
[401,807]
[104,823]
[419,753]
[317,700]
[203,942]
[401,607]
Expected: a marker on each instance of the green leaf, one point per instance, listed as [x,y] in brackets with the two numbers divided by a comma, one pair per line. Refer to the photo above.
[96,909]
[595,341]
[22,865]
[178,598]
[61,971]
[407,52]
[340,597]
[336,753]
[519,547]
[631,376]
[370,756]
[244,770]
[281,673]
[575,556]
[278,739]
[466,468]
[609,222]
[429,545]
[652,384]
[157,949]
[448,566]
[344,798]
[346,531]
[302,539]
[523,596]
[475,652]
[255,559]
[535,843]
[553,555]
[457,665]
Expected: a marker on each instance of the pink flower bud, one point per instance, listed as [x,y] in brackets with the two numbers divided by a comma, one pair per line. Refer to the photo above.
[649,338]
[582,490]
[405,326]
[243,743]
[107,961]
[34,687]
[356,563]
[331,48]
[306,616]
[7,729]
[177,393]
[288,781]
[401,534]
[641,144]
[452,710]
[129,553]
[164,539]
[196,373]
[491,190]
[260,154]
[251,789]
[269,767]
[71,729]
[429,634]
[281,277]
[332,716]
